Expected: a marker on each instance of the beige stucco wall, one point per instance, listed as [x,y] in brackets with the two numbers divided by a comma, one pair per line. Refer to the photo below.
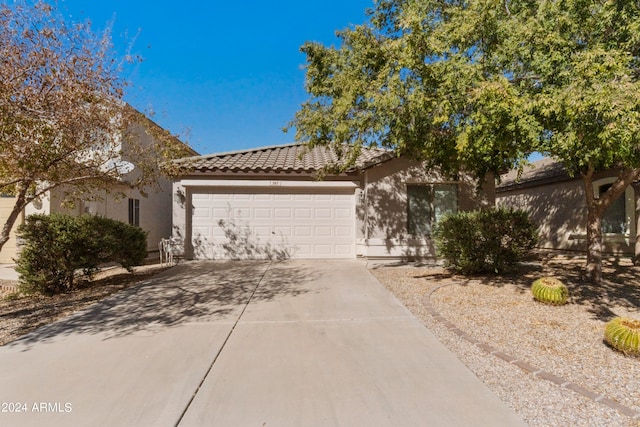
[559,210]
[155,207]
[381,206]
[382,209]
[9,250]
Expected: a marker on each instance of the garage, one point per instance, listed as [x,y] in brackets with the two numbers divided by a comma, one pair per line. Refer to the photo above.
[240,223]
[303,201]
[279,202]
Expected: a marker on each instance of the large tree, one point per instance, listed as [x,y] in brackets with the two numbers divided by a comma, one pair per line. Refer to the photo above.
[63,121]
[481,84]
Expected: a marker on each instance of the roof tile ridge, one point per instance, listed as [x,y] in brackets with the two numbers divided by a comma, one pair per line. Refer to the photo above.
[241,151]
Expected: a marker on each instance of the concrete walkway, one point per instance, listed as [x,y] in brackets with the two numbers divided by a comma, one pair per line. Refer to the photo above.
[300,343]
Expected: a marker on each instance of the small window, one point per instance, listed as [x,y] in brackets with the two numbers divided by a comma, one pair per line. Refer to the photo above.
[615,217]
[427,204]
[134,212]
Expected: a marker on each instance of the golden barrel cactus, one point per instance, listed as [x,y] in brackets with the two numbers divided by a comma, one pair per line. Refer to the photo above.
[550,290]
[623,334]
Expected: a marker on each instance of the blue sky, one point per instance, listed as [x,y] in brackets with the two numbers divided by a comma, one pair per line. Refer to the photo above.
[230,73]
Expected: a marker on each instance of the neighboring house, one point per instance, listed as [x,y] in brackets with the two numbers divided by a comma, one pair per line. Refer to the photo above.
[268,203]
[556,203]
[149,209]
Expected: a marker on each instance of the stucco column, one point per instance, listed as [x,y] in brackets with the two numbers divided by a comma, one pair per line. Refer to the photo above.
[188,224]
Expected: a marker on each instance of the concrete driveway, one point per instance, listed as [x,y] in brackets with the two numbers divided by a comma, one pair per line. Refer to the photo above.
[299,343]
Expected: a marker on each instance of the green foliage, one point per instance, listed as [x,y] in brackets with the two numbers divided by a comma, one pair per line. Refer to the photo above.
[57,247]
[623,334]
[493,240]
[479,85]
[63,120]
[550,290]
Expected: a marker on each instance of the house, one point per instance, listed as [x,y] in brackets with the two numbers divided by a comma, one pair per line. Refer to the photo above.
[149,208]
[556,203]
[269,203]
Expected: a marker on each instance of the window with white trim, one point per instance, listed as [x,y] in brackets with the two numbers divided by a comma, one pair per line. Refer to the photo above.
[427,203]
[615,217]
[618,218]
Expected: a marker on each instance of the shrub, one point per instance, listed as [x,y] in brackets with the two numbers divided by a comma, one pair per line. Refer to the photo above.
[623,334]
[57,247]
[549,290]
[492,240]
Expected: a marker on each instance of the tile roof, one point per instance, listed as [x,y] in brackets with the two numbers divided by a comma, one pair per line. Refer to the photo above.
[282,158]
[543,171]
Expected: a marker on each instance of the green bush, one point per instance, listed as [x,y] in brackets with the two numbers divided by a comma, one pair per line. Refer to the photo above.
[57,247]
[486,241]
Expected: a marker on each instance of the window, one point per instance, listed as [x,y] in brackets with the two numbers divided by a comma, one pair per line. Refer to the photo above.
[426,204]
[615,217]
[134,212]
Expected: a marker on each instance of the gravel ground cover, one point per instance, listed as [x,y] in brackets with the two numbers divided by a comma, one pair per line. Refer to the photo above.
[566,341]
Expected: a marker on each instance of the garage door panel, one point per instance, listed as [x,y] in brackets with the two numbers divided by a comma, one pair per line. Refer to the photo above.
[304,251]
[303,224]
[325,250]
[323,232]
[345,250]
[202,213]
[219,213]
[283,213]
[303,213]
[343,231]
[302,231]
[282,231]
[262,231]
[342,213]
[200,196]
[323,213]
[217,232]
[242,213]
[202,231]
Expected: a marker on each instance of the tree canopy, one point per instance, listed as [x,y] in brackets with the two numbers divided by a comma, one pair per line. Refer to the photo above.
[63,121]
[481,84]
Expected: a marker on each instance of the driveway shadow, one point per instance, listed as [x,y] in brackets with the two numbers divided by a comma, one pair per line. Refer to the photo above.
[193,292]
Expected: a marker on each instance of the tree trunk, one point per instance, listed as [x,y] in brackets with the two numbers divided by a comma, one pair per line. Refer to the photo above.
[18,206]
[595,211]
[596,207]
[594,244]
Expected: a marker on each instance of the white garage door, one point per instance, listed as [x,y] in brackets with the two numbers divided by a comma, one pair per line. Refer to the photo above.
[277,224]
